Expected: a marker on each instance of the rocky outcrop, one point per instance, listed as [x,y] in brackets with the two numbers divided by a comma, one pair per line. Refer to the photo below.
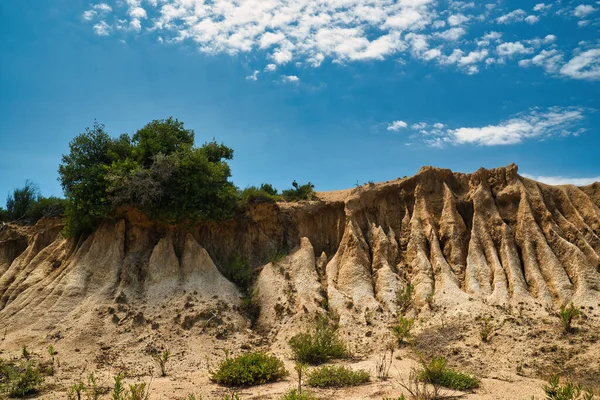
[491,237]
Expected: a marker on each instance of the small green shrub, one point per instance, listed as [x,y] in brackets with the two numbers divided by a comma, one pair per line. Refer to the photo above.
[336,377]
[404,298]
[567,314]
[240,272]
[23,380]
[249,369]
[569,391]
[319,344]
[488,329]
[250,305]
[402,331]
[161,360]
[253,195]
[295,394]
[436,372]
[299,192]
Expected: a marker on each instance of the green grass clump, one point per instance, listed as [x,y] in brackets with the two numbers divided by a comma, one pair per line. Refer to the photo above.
[254,195]
[336,377]
[319,344]
[436,372]
[295,394]
[20,380]
[402,331]
[249,369]
[569,391]
[567,315]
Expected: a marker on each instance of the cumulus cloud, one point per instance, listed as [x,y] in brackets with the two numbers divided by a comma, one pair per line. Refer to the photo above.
[535,124]
[551,60]
[542,7]
[509,49]
[102,29]
[253,76]
[290,79]
[511,17]
[532,19]
[584,66]
[563,180]
[397,125]
[308,33]
[583,10]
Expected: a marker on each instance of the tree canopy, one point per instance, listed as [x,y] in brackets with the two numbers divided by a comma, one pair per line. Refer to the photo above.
[157,170]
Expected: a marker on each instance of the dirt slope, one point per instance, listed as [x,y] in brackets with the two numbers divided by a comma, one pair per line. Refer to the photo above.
[488,244]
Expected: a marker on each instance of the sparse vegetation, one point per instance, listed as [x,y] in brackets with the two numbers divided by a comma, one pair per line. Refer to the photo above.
[161,359]
[487,329]
[294,394]
[405,298]
[383,365]
[249,369]
[436,372]
[299,192]
[402,330]
[19,380]
[568,391]
[250,305]
[567,315]
[266,193]
[336,377]
[318,344]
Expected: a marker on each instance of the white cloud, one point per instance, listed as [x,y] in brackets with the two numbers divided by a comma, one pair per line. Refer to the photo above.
[583,66]
[452,34]
[583,10]
[532,19]
[89,15]
[562,180]
[549,38]
[270,68]
[550,60]
[511,48]
[473,57]
[533,125]
[583,22]
[457,19]
[542,7]
[102,7]
[102,29]
[254,76]
[397,125]
[419,126]
[511,17]
[290,79]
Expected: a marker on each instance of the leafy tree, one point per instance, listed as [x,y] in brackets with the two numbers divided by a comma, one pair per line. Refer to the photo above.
[21,200]
[3,214]
[161,137]
[83,176]
[158,170]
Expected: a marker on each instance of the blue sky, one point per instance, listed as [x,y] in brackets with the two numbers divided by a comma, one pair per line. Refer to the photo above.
[332,91]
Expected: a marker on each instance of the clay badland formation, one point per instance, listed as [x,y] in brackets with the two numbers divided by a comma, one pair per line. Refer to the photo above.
[488,245]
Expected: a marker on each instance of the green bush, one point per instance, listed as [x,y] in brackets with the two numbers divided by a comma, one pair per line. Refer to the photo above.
[20,201]
[436,372]
[249,369]
[299,192]
[20,380]
[294,394]
[240,272]
[404,298]
[158,170]
[250,305]
[3,215]
[403,329]
[253,195]
[336,377]
[318,344]
[567,314]
[569,391]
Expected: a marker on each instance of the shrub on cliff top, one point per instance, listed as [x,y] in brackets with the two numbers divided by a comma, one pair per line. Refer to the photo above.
[158,170]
